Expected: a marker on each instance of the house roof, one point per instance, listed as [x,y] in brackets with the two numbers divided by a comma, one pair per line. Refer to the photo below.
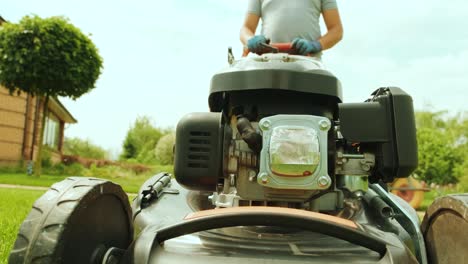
[2,20]
[57,107]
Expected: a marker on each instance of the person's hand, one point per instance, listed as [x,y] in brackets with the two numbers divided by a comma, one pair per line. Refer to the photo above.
[254,44]
[305,47]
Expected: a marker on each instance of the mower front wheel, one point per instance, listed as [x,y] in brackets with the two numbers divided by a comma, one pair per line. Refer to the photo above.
[76,221]
[445,229]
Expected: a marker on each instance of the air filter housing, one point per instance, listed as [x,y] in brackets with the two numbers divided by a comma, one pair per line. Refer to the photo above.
[198,151]
[385,122]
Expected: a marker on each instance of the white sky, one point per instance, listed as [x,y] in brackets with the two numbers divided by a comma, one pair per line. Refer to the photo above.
[159,56]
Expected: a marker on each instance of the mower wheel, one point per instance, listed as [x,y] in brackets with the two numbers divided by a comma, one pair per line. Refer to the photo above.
[445,229]
[76,221]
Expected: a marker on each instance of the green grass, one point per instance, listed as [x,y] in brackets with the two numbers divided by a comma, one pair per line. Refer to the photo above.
[129,182]
[23,179]
[130,185]
[14,206]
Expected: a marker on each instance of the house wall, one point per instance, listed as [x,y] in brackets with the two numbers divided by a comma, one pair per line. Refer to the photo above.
[19,131]
[12,126]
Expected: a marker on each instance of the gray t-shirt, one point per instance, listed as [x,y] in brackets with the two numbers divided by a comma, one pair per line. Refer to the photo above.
[285,20]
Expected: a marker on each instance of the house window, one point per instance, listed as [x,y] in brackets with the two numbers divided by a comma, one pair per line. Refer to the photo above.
[52,131]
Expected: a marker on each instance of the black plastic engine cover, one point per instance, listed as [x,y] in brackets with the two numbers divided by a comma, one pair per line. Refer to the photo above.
[318,82]
[386,123]
[198,151]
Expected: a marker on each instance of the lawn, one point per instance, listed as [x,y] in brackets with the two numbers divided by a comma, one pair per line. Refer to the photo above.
[14,206]
[130,184]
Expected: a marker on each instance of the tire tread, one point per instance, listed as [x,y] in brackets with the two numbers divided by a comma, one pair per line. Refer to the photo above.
[35,243]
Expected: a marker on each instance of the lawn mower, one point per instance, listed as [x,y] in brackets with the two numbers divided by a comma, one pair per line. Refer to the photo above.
[280,170]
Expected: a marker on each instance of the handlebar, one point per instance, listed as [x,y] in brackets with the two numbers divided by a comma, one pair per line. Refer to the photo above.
[273,48]
[266,216]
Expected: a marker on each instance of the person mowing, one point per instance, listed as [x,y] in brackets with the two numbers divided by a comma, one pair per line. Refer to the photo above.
[292,21]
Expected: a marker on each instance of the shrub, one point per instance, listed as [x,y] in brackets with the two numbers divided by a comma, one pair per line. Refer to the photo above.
[108,172]
[164,150]
[56,169]
[46,158]
[83,148]
[141,140]
[74,169]
[61,169]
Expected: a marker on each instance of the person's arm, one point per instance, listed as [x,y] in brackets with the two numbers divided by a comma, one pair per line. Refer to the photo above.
[334,28]
[249,27]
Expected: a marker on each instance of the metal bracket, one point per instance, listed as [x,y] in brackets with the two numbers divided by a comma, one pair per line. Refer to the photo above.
[410,224]
[354,164]
[231,58]
[156,190]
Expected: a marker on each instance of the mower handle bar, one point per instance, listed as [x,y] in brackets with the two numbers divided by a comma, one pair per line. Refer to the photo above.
[266,218]
[274,48]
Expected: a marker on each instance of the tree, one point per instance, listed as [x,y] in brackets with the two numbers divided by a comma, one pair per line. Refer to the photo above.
[47,57]
[141,140]
[438,159]
[442,146]
[164,150]
[83,148]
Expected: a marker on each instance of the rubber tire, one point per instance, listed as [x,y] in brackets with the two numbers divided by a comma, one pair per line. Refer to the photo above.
[445,229]
[415,198]
[72,220]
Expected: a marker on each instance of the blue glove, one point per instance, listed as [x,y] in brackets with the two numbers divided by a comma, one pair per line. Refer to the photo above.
[255,43]
[305,47]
